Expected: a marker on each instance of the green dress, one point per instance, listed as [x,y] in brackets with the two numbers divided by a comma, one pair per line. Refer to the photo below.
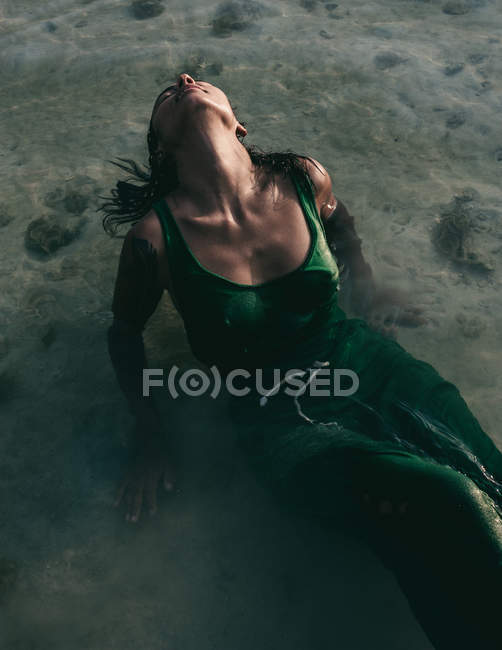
[402,461]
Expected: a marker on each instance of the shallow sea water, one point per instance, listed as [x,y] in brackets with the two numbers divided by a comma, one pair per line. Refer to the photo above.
[401,101]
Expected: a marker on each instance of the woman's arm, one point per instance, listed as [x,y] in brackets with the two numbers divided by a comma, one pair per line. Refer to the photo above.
[346,247]
[344,241]
[383,308]
[136,296]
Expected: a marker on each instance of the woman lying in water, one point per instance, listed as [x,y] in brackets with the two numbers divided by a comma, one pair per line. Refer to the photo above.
[249,246]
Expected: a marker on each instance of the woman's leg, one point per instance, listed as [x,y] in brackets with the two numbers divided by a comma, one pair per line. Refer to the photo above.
[442,537]
[448,406]
[410,399]
[433,527]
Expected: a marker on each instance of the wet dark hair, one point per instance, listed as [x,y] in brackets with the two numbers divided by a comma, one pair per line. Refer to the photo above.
[130,201]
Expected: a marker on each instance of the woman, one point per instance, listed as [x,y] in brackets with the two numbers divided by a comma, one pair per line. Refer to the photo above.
[244,243]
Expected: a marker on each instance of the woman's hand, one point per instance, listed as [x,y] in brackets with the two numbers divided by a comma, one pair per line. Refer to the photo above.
[390,308]
[150,466]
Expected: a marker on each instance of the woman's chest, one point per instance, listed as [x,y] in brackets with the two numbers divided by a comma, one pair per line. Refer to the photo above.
[254,240]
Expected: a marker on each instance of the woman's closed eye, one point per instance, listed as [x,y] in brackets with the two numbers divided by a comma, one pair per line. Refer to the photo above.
[166,95]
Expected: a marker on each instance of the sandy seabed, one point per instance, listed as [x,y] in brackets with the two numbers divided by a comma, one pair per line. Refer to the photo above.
[401,101]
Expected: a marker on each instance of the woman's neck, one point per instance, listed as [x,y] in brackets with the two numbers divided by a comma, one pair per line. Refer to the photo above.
[214,169]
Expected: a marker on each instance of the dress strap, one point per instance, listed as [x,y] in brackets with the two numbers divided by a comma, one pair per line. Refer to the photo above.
[306,192]
[175,250]
[164,218]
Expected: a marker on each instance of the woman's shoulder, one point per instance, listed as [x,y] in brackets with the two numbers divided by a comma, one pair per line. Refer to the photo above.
[148,227]
[318,174]
[323,186]
[147,232]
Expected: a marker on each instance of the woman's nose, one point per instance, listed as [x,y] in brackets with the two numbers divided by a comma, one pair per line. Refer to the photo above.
[185,78]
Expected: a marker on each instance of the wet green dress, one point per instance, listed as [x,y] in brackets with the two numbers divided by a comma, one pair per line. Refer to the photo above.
[402,461]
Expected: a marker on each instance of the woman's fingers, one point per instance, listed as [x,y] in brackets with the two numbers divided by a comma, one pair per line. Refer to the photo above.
[169,479]
[137,502]
[152,484]
[129,496]
[151,493]
[139,489]
[120,492]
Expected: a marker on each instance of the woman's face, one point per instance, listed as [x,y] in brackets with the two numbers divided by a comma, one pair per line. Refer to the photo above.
[179,101]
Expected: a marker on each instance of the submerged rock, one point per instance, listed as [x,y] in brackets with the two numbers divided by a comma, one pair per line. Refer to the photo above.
[5,217]
[470,327]
[72,196]
[143,9]
[452,234]
[386,60]
[453,68]
[380,32]
[309,5]
[215,68]
[467,195]
[72,202]
[196,64]
[455,120]
[75,203]
[476,58]
[47,234]
[236,16]
[68,268]
[456,7]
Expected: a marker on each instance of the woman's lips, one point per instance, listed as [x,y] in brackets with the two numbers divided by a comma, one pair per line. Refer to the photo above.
[187,90]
